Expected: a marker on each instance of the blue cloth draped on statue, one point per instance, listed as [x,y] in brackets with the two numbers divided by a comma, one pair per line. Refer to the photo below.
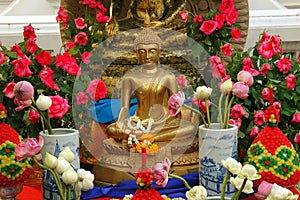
[107,110]
[175,188]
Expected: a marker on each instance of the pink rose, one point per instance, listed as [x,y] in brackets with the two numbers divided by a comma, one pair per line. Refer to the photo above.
[208,27]
[198,19]
[79,22]
[265,69]
[236,121]
[16,48]
[85,57]
[28,32]
[21,67]
[59,107]
[254,132]
[237,111]
[248,66]
[227,49]
[23,90]
[290,81]
[31,46]
[231,17]
[81,38]
[218,69]
[183,15]
[62,16]
[296,117]
[265,93]
[240,89]
[175,102]
[29,147]
[259,118]
[66,62]
[96,89]
[33,116]
[246,77]
[220,19]
[181,81]
[277,105]
[226,6]
[284,65]
[160,172]
[82,98]
[297,138]
[70,45]
[101,18]
[264,189]
[235,34]
[9,90]
[2,58]
[46,74]
[44,58]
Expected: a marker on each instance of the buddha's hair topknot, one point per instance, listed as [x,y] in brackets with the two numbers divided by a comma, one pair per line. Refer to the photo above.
[147,36]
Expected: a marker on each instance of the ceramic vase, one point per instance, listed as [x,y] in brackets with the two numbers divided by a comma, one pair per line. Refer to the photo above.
[54,144]
[215,145]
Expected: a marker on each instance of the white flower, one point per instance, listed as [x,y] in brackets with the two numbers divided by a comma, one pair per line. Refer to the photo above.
[69,176]
[86,179]
[67,154]
[50,161]
[226,86]
[232,165]
[249,171]
[238,182]
[203,92]
[128,197]
[62,165]
[43,102]
[281,193]
[196,193]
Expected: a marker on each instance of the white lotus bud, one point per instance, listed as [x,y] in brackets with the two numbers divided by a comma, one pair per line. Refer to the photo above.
[67,154]
[203,92]
[43,102]
[62,165]
[69,176]
[50,161]
[226,86]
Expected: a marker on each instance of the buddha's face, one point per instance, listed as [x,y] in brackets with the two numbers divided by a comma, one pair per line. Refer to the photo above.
[148,54]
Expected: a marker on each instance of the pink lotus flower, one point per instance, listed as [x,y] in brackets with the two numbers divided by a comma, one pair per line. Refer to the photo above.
[296,117]
[23,91]
[237,111]
[264,189]
[240,89]
[160,172]
[259,118]
[297,138]
[175,102]
[22,104]
[246,77]
[29,147]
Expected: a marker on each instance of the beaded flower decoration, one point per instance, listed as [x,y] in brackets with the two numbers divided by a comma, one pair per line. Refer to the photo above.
[272,153]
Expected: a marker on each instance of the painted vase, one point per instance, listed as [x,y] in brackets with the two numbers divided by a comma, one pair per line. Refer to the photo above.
[54,144]
[216,144]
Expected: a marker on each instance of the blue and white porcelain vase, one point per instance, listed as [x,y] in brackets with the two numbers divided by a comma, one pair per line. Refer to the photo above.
[54,144]
[216,144]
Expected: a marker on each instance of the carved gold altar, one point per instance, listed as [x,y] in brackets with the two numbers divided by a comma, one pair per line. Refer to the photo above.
[119,164]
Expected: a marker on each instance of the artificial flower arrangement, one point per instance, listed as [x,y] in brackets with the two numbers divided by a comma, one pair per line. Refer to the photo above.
[64,175]
[49,75]
[214,30]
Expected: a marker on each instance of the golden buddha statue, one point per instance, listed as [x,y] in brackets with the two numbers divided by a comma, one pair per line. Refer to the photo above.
[153,86]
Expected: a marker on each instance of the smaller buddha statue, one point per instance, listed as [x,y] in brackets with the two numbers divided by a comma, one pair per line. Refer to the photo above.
[152,85]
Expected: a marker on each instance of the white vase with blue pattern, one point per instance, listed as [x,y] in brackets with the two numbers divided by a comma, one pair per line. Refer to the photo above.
[215,145]
[54,144]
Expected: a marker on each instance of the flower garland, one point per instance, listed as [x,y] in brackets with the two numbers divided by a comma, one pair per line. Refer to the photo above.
[140,124]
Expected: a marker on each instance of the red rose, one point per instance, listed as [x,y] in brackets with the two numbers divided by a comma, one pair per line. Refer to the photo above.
[31,46]
[227,49]
[85,57]
[29,32]
[79,22]
[33,116]
[208,27]
[46,74]
[220,19]
[81,38]
[21,67]
[96,89]
[44,58]
[284,65]
[198,19]
[62,16]
[231,17]
[291,81]
[183,15]
[101,18]
[9,90]
[226,6]
[235,34]
[2,58]
[59,107]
